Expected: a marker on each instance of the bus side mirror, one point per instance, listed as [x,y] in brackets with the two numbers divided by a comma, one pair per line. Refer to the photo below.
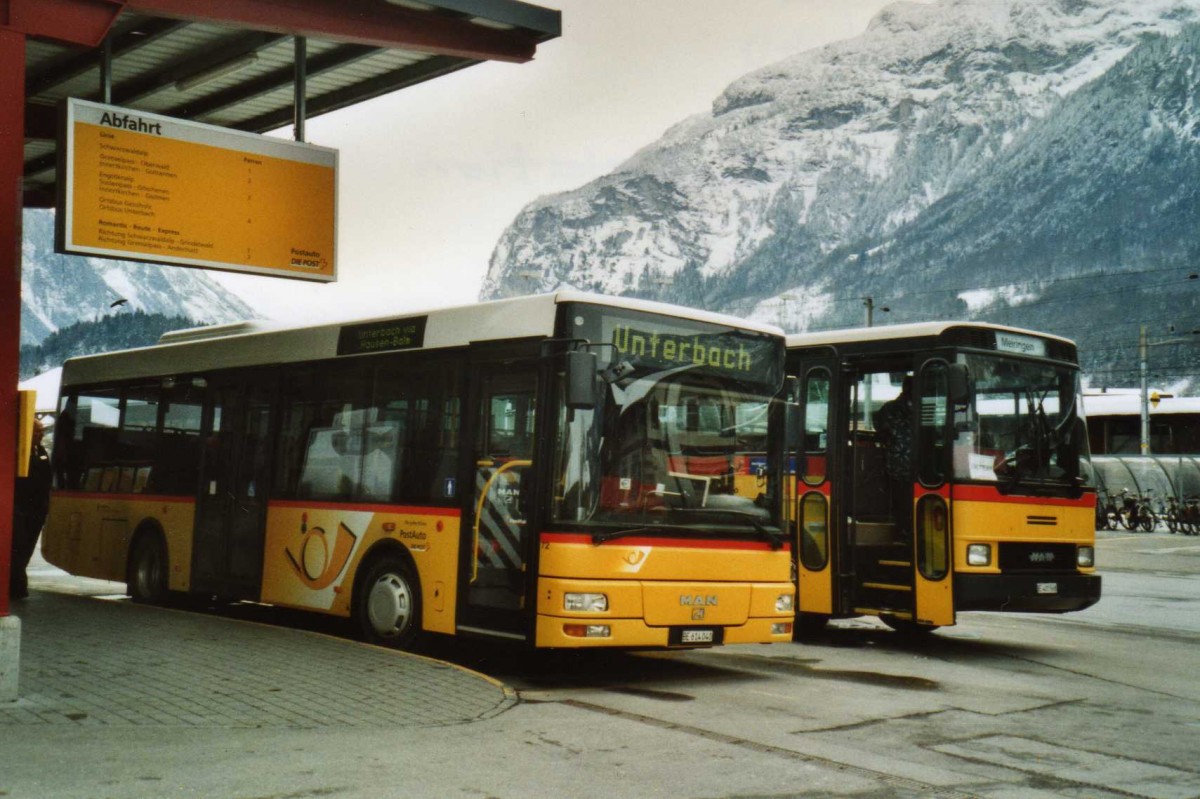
[581,379]
[958,382]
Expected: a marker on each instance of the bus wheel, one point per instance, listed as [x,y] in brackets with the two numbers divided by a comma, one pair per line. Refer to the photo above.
[808,625]
[146,576]
[387,604]
[906,627]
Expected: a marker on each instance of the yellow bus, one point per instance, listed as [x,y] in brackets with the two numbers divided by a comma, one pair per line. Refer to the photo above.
[970,489]
[564,470]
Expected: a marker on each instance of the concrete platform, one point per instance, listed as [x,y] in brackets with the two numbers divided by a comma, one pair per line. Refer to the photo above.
[106,663]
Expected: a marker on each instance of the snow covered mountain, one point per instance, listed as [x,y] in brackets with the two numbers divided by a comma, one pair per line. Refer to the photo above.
[1029,162]
[59,290]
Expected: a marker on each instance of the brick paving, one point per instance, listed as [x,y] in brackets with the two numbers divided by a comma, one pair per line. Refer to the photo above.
[107,664]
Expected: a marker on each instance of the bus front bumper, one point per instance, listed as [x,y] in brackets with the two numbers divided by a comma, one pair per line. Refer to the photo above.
[1026,593]
[559,632]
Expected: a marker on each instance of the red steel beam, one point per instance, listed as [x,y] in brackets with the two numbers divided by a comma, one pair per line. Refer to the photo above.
[83,22]
[370,22]
[12,138]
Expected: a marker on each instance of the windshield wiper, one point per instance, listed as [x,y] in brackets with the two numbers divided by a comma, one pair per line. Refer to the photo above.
[772,536]
[600,538]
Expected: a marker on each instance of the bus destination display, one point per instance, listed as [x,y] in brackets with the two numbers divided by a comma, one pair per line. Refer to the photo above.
[147,187]
[393,334]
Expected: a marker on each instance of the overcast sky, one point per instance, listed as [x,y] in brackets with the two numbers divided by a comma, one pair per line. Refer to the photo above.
[431,176]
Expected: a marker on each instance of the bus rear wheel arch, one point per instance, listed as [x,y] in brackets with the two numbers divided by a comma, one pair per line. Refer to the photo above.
[146,569]
[386,605]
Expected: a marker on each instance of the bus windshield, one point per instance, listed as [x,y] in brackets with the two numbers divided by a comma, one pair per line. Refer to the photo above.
[1024,427]
[678,445]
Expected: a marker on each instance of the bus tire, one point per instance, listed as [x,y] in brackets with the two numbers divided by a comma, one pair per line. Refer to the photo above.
[907,627]
[387,603]
[146,574]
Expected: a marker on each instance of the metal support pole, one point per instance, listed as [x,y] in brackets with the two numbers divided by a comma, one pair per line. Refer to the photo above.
[300,109]
[869,304]
[106,70]
[1145,438]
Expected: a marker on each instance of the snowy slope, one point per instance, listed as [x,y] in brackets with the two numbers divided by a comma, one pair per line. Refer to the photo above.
[858,169]
[59,290]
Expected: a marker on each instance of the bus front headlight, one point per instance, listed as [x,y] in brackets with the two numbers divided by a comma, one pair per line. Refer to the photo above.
[1085,557]
[585,603]
[979,554]
[784,603]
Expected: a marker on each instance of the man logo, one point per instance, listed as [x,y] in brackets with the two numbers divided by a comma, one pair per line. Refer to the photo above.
[1041,557]
[698,600]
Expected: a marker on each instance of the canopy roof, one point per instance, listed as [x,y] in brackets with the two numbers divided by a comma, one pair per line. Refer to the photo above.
[233,62]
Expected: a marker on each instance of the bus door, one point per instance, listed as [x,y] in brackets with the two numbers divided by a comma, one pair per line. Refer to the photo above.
[876,568]
[227,549]
[811,466]
[497,528]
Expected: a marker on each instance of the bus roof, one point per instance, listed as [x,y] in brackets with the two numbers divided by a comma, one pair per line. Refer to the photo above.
[255,343]
[893,332]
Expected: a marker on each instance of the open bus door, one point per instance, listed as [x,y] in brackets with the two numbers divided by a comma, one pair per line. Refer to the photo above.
[876,574]
[498,521]
[893,552]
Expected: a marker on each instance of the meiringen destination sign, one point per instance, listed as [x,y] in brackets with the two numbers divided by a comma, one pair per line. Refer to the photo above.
[151,188]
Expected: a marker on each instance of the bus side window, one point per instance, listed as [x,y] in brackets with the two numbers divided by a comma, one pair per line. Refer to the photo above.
[324,431]
[93,449]
[177,463]
[138,438]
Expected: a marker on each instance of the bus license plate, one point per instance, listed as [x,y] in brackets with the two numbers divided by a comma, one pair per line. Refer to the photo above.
[696,637]
[1047,588]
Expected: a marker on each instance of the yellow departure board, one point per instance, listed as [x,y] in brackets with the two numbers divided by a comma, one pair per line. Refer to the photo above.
[151,188]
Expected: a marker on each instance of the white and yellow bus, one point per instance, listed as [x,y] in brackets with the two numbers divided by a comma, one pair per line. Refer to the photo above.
[983,500]
[565,470]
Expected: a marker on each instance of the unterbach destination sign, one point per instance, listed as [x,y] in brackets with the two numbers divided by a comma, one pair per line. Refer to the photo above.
[146,187]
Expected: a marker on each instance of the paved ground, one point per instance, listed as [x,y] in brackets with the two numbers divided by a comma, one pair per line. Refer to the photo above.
[87,661]
[120,701]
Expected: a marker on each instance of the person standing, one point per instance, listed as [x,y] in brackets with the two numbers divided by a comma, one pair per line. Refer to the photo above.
[895,423]
[31,502]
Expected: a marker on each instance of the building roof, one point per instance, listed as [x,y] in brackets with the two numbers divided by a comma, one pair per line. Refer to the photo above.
[1128,402]
[232,63]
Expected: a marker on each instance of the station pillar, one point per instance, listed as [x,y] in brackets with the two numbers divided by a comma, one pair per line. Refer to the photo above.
[80,22]
[12,144]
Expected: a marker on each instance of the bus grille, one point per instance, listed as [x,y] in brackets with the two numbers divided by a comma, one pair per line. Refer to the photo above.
[1025,557]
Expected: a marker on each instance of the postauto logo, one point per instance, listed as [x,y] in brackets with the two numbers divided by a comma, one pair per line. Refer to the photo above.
[316,559]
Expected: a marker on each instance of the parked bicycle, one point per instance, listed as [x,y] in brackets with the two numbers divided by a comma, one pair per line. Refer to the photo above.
[1189,516]
[1172,514]
[1106,511]
[1135,511]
